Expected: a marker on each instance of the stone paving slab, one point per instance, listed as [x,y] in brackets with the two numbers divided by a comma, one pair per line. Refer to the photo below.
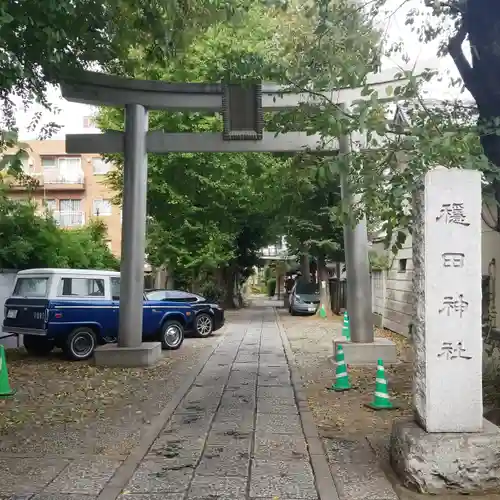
[84,476]
[29,475]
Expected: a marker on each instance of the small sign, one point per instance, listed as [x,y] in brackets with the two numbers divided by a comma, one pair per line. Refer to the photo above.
[242,112]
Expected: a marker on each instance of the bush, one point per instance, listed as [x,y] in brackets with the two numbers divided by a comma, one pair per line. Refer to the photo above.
[29,240]
[271,287]
[212,292]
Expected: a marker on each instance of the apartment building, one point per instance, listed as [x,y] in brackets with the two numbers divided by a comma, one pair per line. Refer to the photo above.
[72,187]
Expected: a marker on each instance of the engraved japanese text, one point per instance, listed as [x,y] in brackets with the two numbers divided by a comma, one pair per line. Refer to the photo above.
[453,213]
[453,351]
[454,305]
[453,259]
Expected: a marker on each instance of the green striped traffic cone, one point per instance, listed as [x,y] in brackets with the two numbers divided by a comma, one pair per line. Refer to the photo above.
[341,377]
[346,330]
[322,311]
[381,399]
[5,390]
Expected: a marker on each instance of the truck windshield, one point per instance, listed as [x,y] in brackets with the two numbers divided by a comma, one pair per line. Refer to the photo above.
[31,287]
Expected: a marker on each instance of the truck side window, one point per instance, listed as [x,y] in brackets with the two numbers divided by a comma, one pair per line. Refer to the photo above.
[81,287]
[115,288]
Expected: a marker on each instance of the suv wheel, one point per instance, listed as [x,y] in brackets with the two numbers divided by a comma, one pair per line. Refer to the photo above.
[38,346]
[204,325]
[172,335]
[80,344]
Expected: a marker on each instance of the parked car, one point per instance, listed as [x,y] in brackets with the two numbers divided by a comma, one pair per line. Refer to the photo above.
[304,298]
[209,315]
[77,309]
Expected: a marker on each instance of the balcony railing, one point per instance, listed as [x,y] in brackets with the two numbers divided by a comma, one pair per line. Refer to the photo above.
[58,177]
[68,219]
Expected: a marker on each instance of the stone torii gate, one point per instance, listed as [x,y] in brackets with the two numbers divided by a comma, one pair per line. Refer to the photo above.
[242,109]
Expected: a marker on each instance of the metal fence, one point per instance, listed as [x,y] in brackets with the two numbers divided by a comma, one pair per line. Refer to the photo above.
[338,295]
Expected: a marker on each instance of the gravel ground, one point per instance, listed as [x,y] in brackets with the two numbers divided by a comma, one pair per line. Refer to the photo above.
[343,418]
[344,413]
[75,408]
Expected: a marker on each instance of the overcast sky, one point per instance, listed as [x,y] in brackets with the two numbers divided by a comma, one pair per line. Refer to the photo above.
[71,115]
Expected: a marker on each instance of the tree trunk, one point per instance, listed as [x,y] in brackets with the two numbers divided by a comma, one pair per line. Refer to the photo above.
[305,268]
[228,282]
[324,288]
[481,22]
[338,270]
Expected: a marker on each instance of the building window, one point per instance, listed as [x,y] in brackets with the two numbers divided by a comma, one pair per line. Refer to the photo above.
[70,205]
[69,164]
[88,122]
[48,162]
[69,214]
[100,166]
[51,205]
[102,207]
[402,265]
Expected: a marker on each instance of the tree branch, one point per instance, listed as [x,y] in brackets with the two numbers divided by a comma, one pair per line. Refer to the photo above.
[463,66]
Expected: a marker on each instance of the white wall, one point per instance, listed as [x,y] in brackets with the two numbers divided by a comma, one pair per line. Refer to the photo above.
[7,278]
[392,289]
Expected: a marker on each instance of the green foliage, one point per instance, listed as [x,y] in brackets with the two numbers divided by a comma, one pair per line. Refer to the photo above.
[312,208]
[212,292]
[28,240]
[379,262]
[46,41]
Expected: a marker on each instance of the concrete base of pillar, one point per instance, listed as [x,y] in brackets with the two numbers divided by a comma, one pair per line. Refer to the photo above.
[147,354]
[446,463]
[361,353]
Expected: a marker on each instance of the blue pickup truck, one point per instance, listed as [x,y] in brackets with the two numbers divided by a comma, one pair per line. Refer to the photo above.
[77,310]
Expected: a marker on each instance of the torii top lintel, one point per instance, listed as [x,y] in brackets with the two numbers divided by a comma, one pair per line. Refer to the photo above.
[99,89]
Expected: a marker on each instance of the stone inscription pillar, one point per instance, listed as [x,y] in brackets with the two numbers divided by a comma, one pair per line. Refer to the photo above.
[447,334]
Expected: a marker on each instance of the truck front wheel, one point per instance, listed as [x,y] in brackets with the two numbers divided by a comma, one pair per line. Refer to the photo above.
[38,346]
[172,335]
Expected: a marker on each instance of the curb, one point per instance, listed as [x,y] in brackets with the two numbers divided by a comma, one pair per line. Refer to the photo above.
[126,470]
[325,484]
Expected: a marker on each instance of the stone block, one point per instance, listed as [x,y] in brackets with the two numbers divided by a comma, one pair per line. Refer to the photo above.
[367,353]
[291,479]
[439,463]
[147,354]
[220,487]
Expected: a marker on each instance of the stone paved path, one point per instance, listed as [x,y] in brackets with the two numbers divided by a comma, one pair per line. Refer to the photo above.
[237,434]
[240,429]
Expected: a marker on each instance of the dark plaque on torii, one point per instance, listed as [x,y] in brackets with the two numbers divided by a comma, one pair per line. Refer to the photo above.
[242,113]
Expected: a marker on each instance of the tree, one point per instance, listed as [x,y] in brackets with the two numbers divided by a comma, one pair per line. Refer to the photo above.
[28,240]
[44,42]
